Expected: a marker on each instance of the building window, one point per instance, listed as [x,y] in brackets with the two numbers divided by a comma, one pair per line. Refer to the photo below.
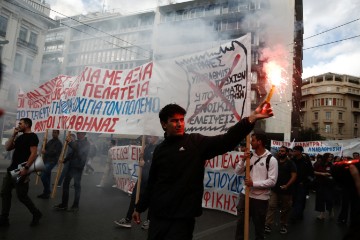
[355,132]
[254,77]
[12,93]
[28,65]
[355,104]
[253,97]
[23,34]
[355,119]
[33,38]
[340,127]
[316,115]
[18,62]
[327,115]
[328,101]
[303,104]
[3,26]
[340,116]
[327,128]
[316,127]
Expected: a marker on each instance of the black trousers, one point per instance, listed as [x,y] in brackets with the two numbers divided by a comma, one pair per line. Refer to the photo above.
[257,212]
[22,189]
[171,229]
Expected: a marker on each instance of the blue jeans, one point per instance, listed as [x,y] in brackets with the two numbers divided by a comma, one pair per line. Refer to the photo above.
[46,176]
[75,173]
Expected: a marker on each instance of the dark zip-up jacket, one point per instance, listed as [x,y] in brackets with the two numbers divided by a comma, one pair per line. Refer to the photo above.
[175,187]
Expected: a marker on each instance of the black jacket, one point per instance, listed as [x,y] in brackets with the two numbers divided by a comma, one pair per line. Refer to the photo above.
[175,187]
[79,153]
[52,150]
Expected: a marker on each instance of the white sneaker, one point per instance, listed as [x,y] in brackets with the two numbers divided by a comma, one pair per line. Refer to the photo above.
[145,225]
[114,186]
[123,223]
[99,186]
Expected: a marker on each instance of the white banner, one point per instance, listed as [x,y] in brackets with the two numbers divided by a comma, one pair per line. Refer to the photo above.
[213,86]
[311,148]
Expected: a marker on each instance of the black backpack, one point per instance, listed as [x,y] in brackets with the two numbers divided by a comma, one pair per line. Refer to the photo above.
[267,162]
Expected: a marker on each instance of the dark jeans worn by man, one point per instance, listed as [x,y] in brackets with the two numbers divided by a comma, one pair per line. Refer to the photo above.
[22,188]
[257,213]
[75,173]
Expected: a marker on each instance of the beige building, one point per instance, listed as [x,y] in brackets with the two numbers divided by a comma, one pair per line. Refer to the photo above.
[330,104]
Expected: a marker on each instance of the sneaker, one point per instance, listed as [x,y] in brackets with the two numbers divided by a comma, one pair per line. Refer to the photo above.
[114,186]
[123,223]
[283,229]
[60,207]
[59,186]
[36,219]
[145,225]
[267,229]
[4,221]
[73,209]
[44,196]
[99,186]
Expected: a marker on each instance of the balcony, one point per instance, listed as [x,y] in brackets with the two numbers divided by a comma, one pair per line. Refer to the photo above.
[54,39]
[31,46]
[328,120]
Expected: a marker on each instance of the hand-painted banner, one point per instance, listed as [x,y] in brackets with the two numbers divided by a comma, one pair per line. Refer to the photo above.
[312,148]
[125,166]
[222,185]
[212,85]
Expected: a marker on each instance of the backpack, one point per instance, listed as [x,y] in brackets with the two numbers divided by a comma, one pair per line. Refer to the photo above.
[267,162]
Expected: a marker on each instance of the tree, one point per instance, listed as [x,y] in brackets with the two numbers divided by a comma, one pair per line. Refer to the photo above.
[309,134]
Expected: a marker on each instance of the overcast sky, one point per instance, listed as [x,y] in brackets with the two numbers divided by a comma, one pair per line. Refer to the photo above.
[319,16]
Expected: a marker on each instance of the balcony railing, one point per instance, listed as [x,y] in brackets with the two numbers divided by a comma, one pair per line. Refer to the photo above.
[31,46]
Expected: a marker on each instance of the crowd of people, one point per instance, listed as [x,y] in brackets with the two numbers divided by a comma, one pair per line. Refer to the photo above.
[173,172]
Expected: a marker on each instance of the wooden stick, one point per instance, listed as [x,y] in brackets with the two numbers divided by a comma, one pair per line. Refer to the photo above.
[42,155]
[140,170]
[247,191]
[60,163]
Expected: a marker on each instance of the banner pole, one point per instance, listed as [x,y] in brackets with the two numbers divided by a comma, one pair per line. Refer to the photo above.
[42,155]
[247,191]
[60,163]
[140,170]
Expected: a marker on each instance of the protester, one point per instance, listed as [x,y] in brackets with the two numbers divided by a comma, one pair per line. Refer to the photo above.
[175,187]
[145,164]
[305,174]
[108,172]
[324,186]
[25,147]
[66,163]
[51,155]
[77,160]
[263,176]
[281,194]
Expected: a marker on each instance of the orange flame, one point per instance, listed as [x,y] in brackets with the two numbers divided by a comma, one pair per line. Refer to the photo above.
[274,73]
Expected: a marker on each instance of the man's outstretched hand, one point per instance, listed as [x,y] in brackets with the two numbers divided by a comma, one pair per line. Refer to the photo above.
[263,111]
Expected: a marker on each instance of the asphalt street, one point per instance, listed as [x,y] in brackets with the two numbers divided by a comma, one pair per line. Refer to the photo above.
[99,207]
